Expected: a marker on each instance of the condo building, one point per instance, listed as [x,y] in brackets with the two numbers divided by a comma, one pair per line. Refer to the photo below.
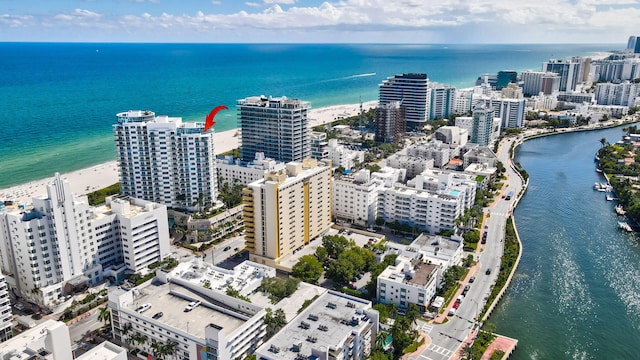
[412,91]
[442,101]
[482,125]
[390,122]
[355,197]
[165,160]
[60,242]
[286,210]
[335,326]
[5,311]
[235,171]
[278,127]
[536,82]
[624,94]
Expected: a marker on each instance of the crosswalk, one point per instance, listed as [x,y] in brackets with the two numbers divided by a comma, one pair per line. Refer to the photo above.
[440,350]
[426,328]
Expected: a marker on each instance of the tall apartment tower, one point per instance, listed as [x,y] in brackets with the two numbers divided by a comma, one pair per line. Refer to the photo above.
[278,127]
[442,101]
[5,311]
[390,122]
[572,72]
[412,90]
[506,77]
[62,243]
[631,44]
[482,125]
[287,209]
[165,160]
[535,82]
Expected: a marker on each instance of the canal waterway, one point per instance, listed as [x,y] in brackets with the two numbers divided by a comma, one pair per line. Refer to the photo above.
[576,294]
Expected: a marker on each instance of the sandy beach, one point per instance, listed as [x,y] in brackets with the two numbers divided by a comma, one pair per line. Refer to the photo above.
[100,176]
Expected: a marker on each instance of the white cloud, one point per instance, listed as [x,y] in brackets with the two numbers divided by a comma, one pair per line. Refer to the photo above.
[548,20]
[15,20]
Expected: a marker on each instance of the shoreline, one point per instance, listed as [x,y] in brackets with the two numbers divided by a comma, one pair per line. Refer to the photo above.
[85,180]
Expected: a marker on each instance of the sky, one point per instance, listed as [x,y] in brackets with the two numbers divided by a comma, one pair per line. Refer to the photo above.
[317,21]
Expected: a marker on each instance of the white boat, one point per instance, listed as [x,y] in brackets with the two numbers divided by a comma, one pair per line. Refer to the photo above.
[624,226]
[596,186]
[609,197]
[620,210]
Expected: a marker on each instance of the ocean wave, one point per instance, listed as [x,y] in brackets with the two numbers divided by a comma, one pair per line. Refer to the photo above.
[351,77]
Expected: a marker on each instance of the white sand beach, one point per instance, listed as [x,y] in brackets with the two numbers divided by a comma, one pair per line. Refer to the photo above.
[100,176]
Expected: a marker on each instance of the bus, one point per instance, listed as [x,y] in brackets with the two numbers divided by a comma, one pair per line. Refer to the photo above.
[509,195]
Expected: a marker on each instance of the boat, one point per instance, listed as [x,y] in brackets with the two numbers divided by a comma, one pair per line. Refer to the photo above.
[609,197]
[596,186]
[598,170]
[624,226]
[620,210]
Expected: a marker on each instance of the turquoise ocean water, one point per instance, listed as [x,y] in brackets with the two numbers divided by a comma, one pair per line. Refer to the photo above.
[59,100]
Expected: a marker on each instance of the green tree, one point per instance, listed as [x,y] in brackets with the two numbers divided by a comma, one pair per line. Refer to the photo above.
[603,142]
[381,339]
[412,314]
[308,269]
[335,245]
[279,288]
[383,311]
[104,315]
[341,270]
[321,254]
[274,321]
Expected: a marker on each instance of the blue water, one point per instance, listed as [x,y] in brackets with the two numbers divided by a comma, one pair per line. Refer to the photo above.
[576,292]
[58,101]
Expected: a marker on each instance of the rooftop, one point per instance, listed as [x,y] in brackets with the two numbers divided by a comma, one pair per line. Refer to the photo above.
[171,301]
[325,324]
[104,351]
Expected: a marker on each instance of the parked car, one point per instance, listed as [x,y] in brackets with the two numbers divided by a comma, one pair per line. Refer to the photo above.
[144,307]
[456,305]
[472,279]
[488,272]
[226,248]
[192,305]
[157,315]
[452,312]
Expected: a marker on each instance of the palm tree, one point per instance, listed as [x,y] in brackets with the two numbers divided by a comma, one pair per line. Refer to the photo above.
[156,349]
[104,315]
[170,348]
[413,313]
[381,339]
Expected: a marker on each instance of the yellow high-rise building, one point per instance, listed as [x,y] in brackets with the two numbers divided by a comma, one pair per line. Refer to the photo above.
[286,210]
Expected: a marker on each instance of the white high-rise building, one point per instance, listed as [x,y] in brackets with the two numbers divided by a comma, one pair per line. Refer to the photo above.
[286,210]
[278,127]
[165,160]
[442,101]
[624,94]
[414,93]
[510,111]
[5,311]
[482,125]
[62,240]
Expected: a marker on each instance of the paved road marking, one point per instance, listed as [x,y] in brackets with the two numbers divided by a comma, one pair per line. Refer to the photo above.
[426,328]
[439,349]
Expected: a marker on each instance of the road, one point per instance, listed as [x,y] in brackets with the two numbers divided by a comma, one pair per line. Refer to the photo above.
[217,254]
[84,326]
[446,339]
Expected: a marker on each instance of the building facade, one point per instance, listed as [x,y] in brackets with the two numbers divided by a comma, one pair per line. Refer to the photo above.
[355,198]
[390,122]
[278,127]
[624,94]
[482,125]
[409,281]
[235,171]
[6,317]
[164,160]
[286,210]
[442,101]
[411,90]
[62,239]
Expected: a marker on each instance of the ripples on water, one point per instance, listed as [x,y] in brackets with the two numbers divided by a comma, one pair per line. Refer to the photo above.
[575,295]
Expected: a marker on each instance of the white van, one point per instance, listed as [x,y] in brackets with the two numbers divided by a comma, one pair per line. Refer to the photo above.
[452,312]
[192,305]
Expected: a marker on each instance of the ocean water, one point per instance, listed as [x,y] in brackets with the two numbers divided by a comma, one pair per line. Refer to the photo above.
[58,100]
[575,294]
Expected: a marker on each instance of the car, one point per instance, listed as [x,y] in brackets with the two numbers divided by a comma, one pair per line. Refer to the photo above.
[19,306]
[472,279]
[226,248]
[144,307]
[456,305]
[157,315]
[192,305]
[488,272]
[483,241]
[452,312]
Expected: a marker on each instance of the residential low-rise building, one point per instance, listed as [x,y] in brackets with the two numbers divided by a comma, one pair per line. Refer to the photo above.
[413,165]
[346,156]
[436,150]
[446,182]
[335,326]
[409,281]
[235,171]
[479,155]
[355,198]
